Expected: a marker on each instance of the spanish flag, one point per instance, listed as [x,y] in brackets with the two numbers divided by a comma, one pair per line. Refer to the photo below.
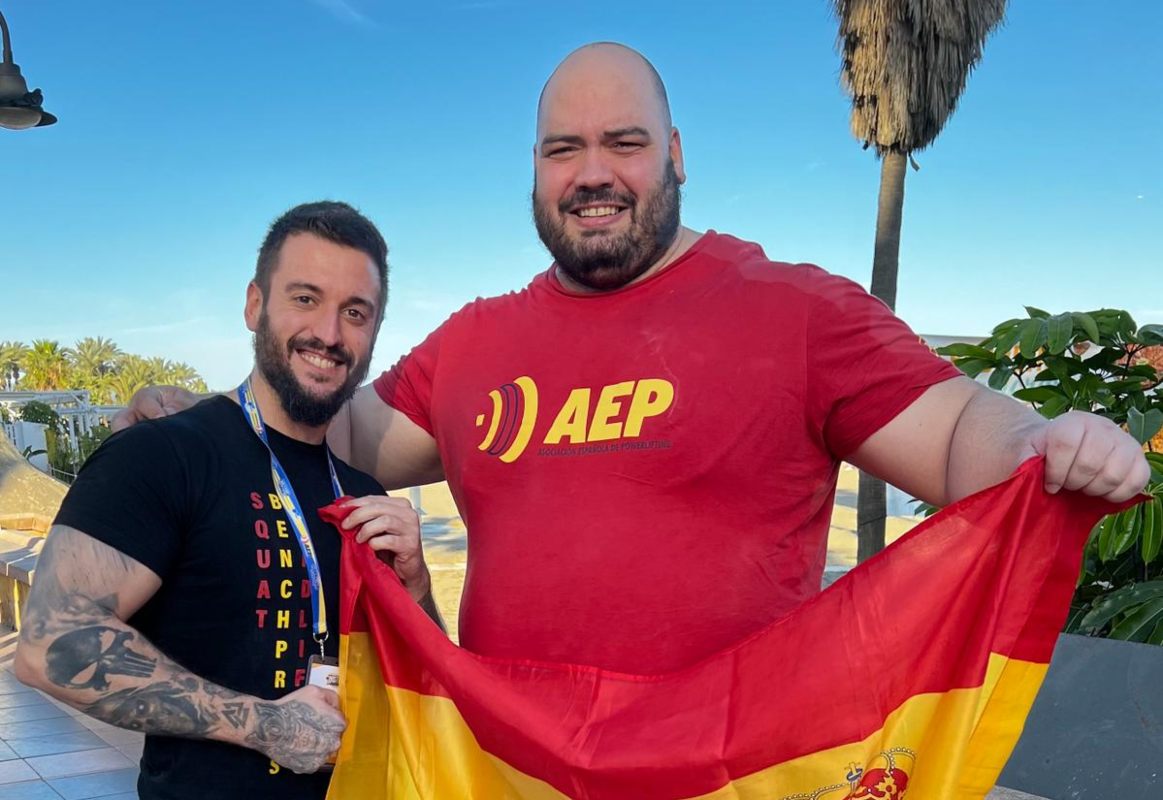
[913,674]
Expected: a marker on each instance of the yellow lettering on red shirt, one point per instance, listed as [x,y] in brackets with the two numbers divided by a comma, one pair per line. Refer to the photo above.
[602,428]
[572,420]
[652,396]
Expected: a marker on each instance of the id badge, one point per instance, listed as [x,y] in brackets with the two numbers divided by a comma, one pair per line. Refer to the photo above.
[323,672]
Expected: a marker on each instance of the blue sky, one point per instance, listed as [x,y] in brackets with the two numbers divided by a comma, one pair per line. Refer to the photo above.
[186,127]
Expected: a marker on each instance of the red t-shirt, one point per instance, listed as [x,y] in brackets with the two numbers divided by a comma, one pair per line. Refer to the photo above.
[647,474]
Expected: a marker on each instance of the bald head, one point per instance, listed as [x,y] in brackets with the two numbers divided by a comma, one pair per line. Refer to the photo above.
[605,67]
[607,167]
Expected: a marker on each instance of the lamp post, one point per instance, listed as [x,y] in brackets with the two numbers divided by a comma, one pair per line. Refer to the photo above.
[19,108]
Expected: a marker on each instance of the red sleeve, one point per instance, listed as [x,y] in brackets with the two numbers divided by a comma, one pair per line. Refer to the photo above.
[407,387]
[865,365]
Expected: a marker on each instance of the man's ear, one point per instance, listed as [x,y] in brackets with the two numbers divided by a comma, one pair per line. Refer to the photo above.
[675,147]
[253,309]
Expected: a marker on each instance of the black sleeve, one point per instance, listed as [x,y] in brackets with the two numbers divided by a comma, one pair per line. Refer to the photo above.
[132,495]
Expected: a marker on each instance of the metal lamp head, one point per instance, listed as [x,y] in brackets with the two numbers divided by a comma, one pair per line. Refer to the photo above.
[19,108]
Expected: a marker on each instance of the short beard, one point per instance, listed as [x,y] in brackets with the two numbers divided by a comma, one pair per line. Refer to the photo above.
[602,261]
[301,406]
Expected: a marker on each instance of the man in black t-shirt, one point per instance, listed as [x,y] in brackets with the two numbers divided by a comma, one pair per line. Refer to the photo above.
[173,595]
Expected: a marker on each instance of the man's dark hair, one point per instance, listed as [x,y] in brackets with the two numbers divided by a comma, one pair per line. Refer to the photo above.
[335,222]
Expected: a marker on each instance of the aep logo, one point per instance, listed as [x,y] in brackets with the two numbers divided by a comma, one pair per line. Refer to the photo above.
[620,411]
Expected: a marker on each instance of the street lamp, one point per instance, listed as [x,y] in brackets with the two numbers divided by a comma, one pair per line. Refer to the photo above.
[19,108]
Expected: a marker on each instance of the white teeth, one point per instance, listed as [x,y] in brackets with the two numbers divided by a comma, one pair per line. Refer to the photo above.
[318,361]
[600,211]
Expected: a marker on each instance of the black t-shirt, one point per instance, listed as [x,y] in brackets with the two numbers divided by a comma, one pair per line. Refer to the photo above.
[190,496]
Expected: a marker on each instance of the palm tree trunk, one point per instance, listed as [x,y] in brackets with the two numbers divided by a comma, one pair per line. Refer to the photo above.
[870,499]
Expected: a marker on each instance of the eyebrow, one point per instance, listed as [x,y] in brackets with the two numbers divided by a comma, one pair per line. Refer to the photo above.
[633,130]
[301,286]
[617,133]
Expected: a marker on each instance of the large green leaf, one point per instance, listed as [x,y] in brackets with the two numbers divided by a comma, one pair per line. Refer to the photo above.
[1155,460]
[1059,332]
[998,379]
[1143,426]
[963,350]
[1037,394]
[1054,406]
[973,366]
[1106,535]
[1088,325]
[1152,529]
[1033,336]
[1150,334]
[1126,327]
[1005,341]
[1037,313]
[1140,623]
[1128,530]
[1007,325]
[1107,608]
[1156,636]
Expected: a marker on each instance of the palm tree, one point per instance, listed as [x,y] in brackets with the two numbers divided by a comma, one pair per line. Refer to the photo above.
[182,374]
[11,357]
[94,361]
[905,65]
[133,373]
[95,356]
[45,367]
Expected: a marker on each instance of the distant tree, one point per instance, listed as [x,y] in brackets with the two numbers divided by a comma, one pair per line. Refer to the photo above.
[95,364]
[95,357]
[132,373]
[182,374]
[94,360]
[45,367]
[12,355]
[905,64]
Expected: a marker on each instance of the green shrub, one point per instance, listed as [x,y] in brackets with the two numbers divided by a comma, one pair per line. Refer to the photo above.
[1093,362]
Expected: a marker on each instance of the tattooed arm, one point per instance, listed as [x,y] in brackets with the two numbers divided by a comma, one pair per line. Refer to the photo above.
[75,645]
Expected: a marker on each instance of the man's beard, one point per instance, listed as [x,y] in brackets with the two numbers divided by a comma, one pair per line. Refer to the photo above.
[601,260]
[273,360]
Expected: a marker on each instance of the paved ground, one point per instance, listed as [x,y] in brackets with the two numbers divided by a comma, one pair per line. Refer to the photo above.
[49,751]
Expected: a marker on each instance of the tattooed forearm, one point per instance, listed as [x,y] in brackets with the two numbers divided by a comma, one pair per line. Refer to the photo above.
[75,645]
[82,659]
[169,708]
[136,686]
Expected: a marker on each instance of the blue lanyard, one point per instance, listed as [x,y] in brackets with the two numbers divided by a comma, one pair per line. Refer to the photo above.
[293,511]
